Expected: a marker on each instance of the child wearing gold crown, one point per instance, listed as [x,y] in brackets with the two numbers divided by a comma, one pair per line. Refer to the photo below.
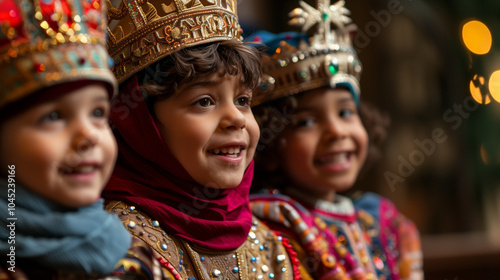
[186,136]
[57,150]
[313,145]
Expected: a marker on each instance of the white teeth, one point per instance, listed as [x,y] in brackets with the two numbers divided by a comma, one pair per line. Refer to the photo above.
[335,159]
[84,169]
[340,158]
[230,151]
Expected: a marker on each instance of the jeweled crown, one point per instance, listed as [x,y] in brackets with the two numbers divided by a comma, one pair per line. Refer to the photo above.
[328,59]
[145,31]
[49,42]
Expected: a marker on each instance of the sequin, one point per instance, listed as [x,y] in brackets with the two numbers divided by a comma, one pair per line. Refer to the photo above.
[155,223]
[253,259]
[164,247]
[202,259]
[252,235]
[271,275]
[131,224]
[216,272]
[264,268]
[235,269]
[131,208]
[280,258]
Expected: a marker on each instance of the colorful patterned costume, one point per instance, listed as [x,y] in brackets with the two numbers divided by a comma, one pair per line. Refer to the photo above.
[368,239]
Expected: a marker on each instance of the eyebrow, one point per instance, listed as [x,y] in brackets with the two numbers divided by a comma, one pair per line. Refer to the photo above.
[101,98]
[346,100]
[198,84]
[340,101]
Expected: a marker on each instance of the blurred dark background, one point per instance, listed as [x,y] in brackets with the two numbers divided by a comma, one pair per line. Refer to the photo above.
[440,163]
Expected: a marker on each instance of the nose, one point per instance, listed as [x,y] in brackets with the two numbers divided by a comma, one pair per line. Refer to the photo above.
[86,136]
[233,118]
[334,130]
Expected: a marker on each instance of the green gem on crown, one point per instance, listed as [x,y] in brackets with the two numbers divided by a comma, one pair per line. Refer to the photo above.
[325,16]
[333,68]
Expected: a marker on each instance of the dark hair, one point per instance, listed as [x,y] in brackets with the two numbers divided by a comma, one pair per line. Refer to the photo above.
[273,121]
[162,79]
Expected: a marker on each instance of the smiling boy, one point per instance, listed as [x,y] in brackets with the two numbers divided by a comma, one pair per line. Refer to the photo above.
[57,150]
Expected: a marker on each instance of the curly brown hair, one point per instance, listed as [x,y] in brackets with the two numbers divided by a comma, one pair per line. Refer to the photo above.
[162,79]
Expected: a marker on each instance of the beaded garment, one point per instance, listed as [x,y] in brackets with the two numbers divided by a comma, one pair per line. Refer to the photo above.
[263,256]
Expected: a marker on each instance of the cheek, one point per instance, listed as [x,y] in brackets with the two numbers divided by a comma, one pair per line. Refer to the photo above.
[253,131]
[110,148]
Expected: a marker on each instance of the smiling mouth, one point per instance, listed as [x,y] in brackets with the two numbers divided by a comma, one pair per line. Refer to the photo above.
[78,170]
[234,151]
[334,159]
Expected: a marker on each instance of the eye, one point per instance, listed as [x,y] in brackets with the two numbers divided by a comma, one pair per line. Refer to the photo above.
[99,113]
[345,113]
[204,102]
[305,122]
[242,101]
[50,117]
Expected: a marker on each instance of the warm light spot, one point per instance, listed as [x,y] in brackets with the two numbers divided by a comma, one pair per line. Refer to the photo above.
[475,90]
[484,156]
[476,37]
[44,24]
[494,85]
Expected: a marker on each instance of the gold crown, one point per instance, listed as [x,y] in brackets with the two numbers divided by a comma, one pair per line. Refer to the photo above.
[44,43]
[329,58]
[145,31]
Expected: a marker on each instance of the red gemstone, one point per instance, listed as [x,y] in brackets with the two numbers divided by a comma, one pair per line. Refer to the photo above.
[38,67]
[288,37]
[81,60]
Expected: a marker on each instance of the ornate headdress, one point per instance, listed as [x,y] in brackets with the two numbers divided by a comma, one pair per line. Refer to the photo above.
[49,42]
[145,31]
[328,59]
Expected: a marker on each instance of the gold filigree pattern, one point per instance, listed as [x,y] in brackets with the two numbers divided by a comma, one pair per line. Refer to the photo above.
[44,43]
[154,29]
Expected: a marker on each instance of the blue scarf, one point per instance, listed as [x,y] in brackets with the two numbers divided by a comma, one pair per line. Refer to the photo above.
[86,239]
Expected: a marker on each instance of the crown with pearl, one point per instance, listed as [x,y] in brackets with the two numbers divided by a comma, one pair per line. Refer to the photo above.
[48,42]
[328,59]
[145,31]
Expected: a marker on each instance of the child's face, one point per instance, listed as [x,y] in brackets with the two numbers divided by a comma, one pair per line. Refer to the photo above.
[326,145]
[62,149]
[209,127]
